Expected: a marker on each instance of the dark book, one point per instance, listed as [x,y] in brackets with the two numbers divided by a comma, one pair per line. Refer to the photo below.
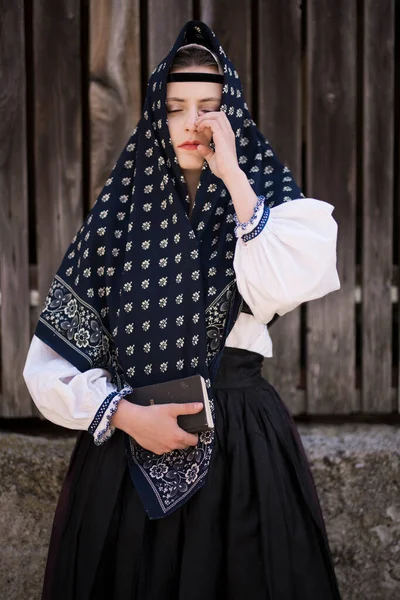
[186,389]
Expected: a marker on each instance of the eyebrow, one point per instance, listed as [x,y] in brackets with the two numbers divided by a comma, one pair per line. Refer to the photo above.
[183,100]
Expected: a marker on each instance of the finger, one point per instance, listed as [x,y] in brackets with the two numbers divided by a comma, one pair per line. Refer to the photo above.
[205,151]
[215,117]
[188,439]
[220,117]
[208,115]
[216,114]
[224,121]
[184,438]
[187,408]
[227,122]
[217,126]
[212,124]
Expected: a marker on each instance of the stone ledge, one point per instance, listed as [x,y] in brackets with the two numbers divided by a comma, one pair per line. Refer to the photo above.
[356,469]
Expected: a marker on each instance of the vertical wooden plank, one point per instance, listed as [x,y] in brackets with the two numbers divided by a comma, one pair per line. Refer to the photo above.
[397,201]
[15,400]
[331,155]
[115,83]
[164,22]
[231,22]
[280,95]
[34,312]
[58,132]
[377,249]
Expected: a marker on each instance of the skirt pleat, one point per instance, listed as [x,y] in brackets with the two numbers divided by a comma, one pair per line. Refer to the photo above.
[254,530]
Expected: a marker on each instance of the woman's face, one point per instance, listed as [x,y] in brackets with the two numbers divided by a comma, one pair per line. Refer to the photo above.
[187,100]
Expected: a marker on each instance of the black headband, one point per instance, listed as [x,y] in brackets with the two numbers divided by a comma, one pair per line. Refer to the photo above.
[214,78]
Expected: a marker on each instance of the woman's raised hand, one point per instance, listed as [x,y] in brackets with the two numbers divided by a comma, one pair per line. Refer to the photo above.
[223,162]
[155,427]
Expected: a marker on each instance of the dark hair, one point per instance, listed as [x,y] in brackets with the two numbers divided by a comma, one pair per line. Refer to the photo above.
[193,57]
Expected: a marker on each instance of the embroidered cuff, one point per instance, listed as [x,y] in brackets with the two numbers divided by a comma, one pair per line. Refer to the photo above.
[258,229]
[100,427]
[242,228]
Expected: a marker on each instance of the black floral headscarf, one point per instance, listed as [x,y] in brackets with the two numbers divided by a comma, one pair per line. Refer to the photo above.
[149,294]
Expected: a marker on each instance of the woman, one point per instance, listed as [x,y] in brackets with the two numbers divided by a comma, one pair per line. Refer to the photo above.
[191,248]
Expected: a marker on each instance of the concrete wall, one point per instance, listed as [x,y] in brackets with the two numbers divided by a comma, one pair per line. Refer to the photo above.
[357,475]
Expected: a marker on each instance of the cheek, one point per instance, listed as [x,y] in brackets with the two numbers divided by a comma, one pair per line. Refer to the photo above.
[172,132]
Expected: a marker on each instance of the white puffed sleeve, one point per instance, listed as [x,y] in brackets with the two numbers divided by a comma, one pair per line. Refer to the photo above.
[287,256]
[68,397]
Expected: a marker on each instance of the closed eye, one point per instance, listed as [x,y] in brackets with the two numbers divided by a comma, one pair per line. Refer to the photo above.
[202,110]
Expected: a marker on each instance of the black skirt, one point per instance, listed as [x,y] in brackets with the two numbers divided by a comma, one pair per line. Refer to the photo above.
[254,531]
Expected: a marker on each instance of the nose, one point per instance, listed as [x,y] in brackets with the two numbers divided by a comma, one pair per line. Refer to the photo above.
[190,120]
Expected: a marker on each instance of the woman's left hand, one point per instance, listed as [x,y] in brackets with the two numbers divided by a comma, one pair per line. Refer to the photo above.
[223,162]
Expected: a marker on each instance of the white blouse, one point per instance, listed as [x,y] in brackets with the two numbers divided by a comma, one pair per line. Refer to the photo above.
[289,260]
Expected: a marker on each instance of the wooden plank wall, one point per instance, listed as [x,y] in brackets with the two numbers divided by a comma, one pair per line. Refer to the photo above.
[320,80]
[331,146]
[13,210]
[377,201]
[114,83]
[58,156]
[280,117]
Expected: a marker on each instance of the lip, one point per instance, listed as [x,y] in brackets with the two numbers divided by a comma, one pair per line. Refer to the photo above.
[190,145]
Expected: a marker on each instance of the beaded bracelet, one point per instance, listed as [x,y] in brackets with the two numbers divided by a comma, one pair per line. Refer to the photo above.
[259,204]
[109,406]
[265,216]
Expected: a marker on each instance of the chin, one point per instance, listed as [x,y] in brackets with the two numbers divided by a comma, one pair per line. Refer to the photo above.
[191,165]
